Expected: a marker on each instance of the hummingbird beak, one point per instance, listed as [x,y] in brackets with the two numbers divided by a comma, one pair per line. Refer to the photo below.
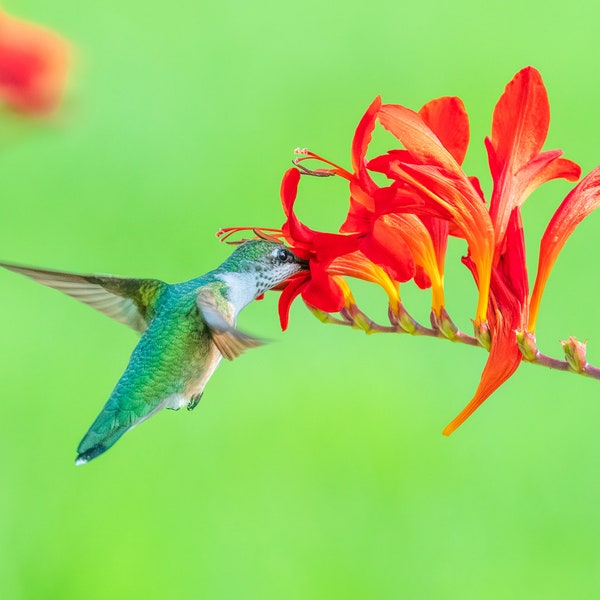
[304,264]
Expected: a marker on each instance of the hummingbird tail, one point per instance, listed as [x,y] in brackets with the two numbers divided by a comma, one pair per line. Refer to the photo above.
[88,455]
[93,445]
[112,422]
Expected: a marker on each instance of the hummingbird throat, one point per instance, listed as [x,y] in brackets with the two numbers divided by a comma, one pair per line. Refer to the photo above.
[242,288]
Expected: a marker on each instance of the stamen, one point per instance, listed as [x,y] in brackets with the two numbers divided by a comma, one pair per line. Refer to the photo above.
[259,232]
[313,172]
[305,154]
[267,237]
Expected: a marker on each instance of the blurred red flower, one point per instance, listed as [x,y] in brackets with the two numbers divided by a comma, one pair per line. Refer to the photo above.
[34,63]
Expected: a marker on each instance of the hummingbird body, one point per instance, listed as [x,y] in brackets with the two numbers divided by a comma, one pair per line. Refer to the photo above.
[187,328]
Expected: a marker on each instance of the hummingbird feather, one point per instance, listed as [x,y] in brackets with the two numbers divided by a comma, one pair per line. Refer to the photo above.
[128,301]
[230,341]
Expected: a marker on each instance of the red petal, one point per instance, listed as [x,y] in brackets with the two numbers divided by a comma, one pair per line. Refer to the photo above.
[448,119]
[362,192]
[541,169]
[358,219]
[477,187]
[388,250]
[293,229]
[504,359]
[504,317]
[413,231]
[519,129]
[288,295]
[329,246]
[383,164]
[418,139]
[521,119]
[363,136]
[421,278]
[512,262]
[582,200]
[322,292]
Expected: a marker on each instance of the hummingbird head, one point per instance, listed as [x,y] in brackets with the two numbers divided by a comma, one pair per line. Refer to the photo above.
[265,263]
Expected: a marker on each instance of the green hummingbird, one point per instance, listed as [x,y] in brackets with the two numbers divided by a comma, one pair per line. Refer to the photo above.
[187,328]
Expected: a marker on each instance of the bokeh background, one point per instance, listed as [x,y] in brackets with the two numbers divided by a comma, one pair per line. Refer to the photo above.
[314,467]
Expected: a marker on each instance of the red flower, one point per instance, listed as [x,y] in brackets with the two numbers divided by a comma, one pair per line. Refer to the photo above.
[429,181]
[508,303]
[405,245]
[397,207]
[399,232]
[33,66]
[331,256]
[519,130]
[318,285]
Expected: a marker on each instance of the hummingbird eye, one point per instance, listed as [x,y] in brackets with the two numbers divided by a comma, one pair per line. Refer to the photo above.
[284,255]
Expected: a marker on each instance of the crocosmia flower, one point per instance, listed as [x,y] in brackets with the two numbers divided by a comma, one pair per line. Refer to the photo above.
[396,231]
[34,63]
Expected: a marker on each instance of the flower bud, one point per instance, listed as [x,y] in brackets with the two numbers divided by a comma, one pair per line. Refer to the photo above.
[527,344]
[575,353]
[443,323]
[402,319]
[482,334]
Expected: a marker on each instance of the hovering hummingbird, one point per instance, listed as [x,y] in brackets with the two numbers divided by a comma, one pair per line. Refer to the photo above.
[186,329]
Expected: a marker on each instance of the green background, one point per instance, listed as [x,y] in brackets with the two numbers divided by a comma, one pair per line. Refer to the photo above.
[313,467]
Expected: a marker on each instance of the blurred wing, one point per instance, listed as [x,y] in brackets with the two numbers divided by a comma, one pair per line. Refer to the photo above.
[128,301]
[230,341]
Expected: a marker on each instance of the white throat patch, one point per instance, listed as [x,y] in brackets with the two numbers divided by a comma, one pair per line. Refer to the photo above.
[241,289]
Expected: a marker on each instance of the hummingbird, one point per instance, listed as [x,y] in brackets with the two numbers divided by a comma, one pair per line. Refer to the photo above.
[187,328]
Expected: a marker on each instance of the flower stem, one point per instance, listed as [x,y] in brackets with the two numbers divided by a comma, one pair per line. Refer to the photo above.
[547,361]
[562,365]
[352,316]
[590,371]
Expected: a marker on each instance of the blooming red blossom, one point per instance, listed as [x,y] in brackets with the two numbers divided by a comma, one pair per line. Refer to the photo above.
[330,257]
[431,174]
[398,232]
[519,130]
[405,245]
[34,62]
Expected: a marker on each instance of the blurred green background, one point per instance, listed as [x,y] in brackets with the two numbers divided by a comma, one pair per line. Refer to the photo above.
[313,467]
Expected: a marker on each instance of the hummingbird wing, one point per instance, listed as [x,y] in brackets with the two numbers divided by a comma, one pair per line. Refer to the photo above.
[215,311]
[128,301]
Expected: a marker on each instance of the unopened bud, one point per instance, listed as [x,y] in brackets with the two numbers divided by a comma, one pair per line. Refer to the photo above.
[527,344]
[575,353]
[482,334]
[401,318]
[443,323]
[362,322]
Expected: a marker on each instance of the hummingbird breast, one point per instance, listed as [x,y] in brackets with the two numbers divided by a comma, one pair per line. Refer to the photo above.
[172,362]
